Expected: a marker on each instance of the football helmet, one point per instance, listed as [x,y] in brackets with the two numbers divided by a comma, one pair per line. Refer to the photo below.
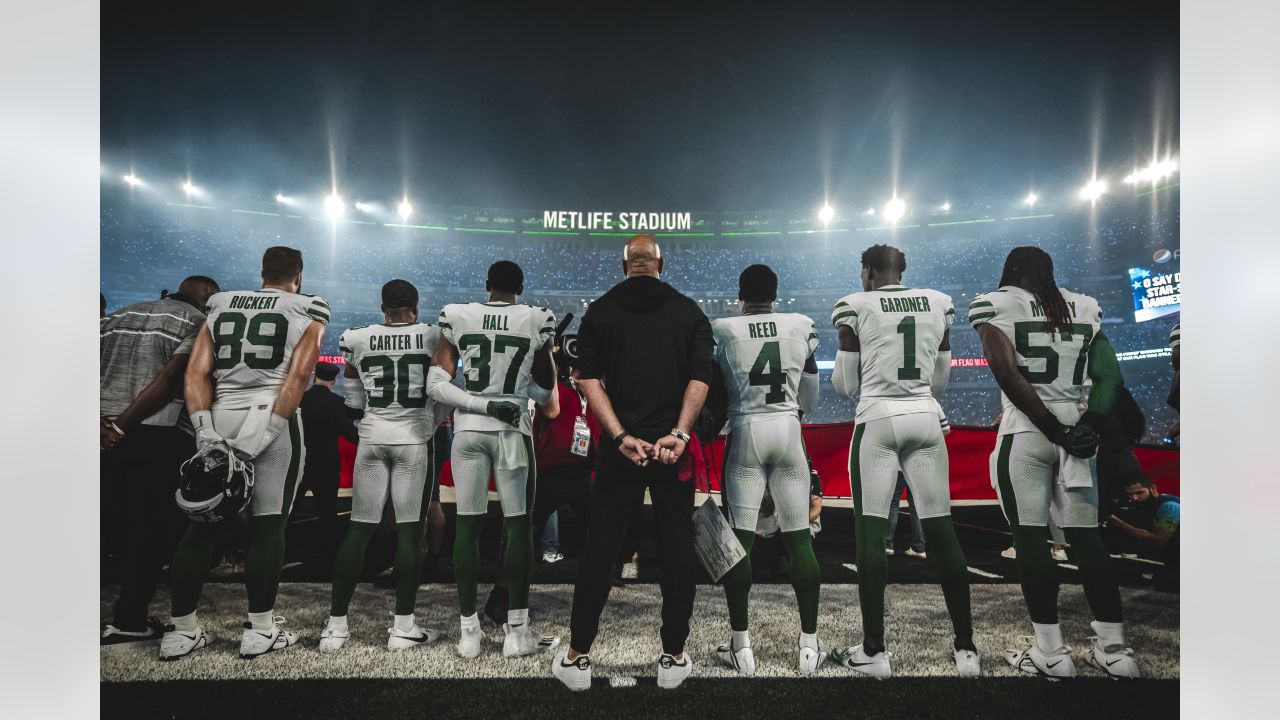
[214,484]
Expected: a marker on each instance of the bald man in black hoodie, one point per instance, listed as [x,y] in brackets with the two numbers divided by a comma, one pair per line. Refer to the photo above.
[645,361]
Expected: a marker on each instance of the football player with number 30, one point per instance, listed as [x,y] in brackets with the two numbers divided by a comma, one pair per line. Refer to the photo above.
[1058,377]
[261,345]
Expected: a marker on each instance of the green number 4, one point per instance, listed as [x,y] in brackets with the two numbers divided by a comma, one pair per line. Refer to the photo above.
[767,372]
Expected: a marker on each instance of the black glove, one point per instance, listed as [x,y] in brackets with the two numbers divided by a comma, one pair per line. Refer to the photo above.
[507,412]
[1080,441]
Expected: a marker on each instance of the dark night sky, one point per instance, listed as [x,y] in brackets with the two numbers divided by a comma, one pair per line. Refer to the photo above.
[580,108]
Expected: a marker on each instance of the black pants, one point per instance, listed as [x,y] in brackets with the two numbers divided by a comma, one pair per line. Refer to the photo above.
[558,487]
[143,522]
[321,476]
[616,494]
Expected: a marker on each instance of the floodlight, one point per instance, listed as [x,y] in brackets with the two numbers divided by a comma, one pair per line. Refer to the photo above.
[826,214]
[333,206]
[946,206]
[280,198]
[363,207]
[1093,190]
[894,210]
[405,209]
[1031,199]
[132,180]
[188,188]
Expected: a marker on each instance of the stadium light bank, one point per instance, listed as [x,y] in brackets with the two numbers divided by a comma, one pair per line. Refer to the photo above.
[334,207]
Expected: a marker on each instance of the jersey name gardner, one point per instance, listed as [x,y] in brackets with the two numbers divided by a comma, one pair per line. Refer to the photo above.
[1056,363]
[254,334]
[762,358]
[899,331]
[392,361]
[496,344]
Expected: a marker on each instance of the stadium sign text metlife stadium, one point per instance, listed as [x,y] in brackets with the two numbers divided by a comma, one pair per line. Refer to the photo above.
[573,220]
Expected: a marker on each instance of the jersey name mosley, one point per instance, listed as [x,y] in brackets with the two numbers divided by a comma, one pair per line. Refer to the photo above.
[1037,310]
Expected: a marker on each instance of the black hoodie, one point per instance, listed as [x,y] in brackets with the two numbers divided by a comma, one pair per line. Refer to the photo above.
[646,341]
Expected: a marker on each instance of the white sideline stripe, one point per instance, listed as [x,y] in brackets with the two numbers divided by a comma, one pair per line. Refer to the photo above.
[1069,566]
[850,566]
[622,681]
[983,573]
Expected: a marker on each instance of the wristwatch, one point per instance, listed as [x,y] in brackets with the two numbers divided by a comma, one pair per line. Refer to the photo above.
[680,435]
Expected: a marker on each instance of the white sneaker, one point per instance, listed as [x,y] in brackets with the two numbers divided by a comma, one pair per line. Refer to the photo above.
[180,643]
[575,675]
[521,641]
[1031,659]
[1116,660]
[888,551]
[743,659]
[1058,554]
[260,642]
[552,556]
[469,641]
[856,659]
[672,672]
[332,638]
[402,640]
[967,664]
[630,571]
[810,659]
[915,553]
[1011,553]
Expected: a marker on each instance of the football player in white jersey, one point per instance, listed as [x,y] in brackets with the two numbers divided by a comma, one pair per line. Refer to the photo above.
[505,352]
[895,355]
[766,366]
[385,383]
[1058,378]
[261,346]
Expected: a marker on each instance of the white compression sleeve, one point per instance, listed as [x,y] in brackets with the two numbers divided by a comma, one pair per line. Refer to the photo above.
[847,377]
[539,394]
[440,388]
[353,393]
[941,373]
[807,394]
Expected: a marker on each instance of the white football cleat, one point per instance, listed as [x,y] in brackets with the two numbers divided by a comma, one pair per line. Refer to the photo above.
[1116,661]
[743,659]
[332,638]
[967,664]
[811,659]
[469,640]
[254,643]
[672,672]
[402,640]
[575,675]
[1031,659]
[856,659]
[180,643]
[521,641]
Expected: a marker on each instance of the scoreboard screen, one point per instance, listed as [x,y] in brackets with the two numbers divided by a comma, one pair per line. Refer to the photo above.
[1156,292]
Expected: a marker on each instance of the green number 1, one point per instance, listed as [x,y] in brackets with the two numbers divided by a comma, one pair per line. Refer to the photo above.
[907,328]
[767,371]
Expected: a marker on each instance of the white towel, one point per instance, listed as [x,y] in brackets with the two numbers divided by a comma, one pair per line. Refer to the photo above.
[511,451]
[1073,472]
[255,423]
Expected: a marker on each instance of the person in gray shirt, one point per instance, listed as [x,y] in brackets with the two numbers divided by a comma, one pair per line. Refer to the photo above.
[144,436]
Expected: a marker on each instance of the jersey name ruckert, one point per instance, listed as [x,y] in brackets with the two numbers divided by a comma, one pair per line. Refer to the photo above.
[395,342]
[915,303]
[253,302]
[763,329]
[495,322]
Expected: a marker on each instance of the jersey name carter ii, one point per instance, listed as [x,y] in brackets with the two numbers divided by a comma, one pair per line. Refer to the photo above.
[496,344]
[899,330]
[254,334]
[392,361]
[762,358]
[1056,363]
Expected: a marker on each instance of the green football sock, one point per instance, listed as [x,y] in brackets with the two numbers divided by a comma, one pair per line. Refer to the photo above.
[1096,573]
[1037,572]
[873,573]
[805,577]
[408,565]
[953,572]
[737,583]
[265,559]
[191,563]
[518,560]
[349,564]
[466,560]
